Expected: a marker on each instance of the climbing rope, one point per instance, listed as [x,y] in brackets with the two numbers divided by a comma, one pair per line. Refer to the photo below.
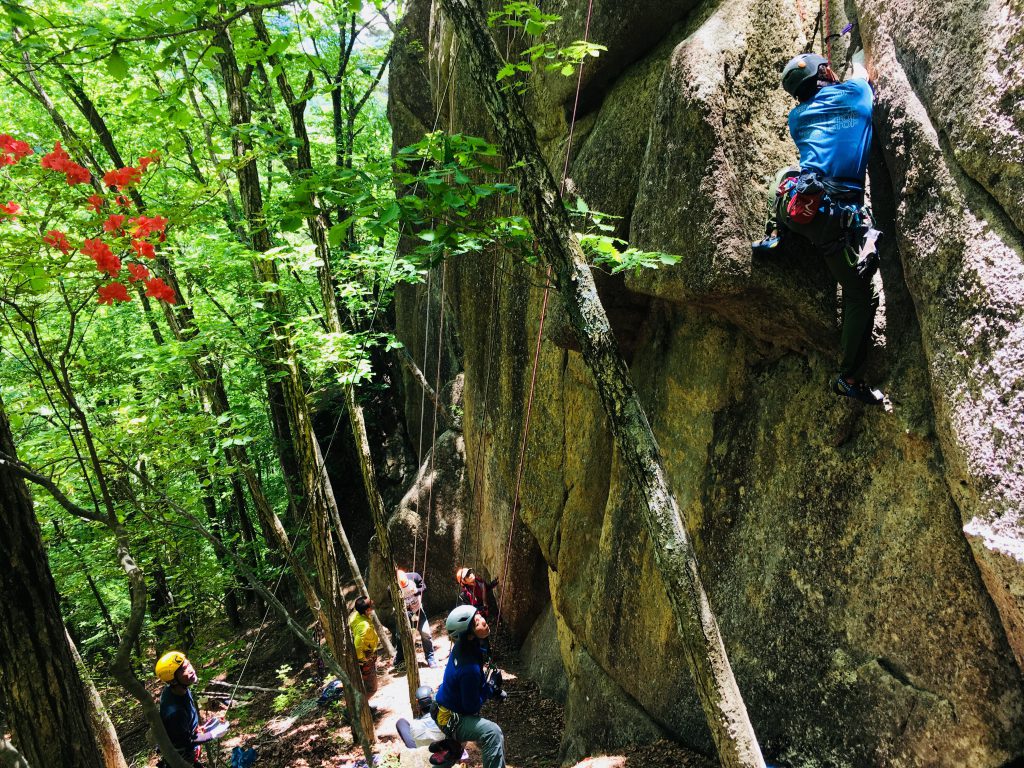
[437,410]
[423,410]
[540,334]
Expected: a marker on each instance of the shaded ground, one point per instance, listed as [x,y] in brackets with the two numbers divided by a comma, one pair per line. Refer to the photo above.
[289,730]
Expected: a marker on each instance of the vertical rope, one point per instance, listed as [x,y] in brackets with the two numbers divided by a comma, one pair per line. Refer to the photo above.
[540,335]
[423,410]
[437,407]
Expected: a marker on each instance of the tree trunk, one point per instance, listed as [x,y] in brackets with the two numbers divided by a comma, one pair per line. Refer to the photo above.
[674,554]
[230,593]
[280,348]
[350,556]
[355,415]
[106,736]
[318,224]
[44,692]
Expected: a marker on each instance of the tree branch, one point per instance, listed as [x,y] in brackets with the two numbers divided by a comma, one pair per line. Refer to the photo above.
[20,468]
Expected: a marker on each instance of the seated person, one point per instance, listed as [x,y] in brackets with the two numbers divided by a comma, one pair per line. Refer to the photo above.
[423,731]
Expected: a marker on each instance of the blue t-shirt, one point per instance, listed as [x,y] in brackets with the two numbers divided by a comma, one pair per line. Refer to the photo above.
[181,719]
[832,130]
[463,688]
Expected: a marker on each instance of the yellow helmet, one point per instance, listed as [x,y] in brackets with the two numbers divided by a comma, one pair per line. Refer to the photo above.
[465,576]
[169,663]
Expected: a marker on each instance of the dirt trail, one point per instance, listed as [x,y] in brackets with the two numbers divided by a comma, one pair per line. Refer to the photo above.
[296,733]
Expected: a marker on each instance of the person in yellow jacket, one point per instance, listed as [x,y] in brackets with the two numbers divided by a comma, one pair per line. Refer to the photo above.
[365,638]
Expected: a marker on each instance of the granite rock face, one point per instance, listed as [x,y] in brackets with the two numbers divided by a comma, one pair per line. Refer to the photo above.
[866,566]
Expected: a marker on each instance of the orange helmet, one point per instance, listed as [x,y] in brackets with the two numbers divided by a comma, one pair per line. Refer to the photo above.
[465,576]
[403,580]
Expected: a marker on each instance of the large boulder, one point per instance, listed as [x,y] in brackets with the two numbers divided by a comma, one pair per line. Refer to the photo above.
[956,169]
[861,626]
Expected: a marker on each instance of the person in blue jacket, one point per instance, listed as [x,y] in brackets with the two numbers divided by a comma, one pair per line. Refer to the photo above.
[464,689]
[831,127]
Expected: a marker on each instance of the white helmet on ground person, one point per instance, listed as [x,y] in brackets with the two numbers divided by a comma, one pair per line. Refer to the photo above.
[460,621]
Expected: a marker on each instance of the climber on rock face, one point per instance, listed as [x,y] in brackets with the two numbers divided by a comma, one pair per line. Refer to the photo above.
[412,587]
[473,590]
[831,127]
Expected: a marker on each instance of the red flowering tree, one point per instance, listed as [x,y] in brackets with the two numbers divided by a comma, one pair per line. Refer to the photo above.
[55,221]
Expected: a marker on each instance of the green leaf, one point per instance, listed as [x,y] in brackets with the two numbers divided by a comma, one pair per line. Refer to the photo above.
[534,28]
[117,66]
[291,223]
[181,117]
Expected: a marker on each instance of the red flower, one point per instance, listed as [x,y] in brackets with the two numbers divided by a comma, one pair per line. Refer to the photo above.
[95,202]
[139,272]
[112,292]
[12,150]
[124,202]
[146,225]
[122,177]
[76,174]
[158,289]
[144,249]
[145,161]
[60,161]
[114,223]
[57,239]
[11,209]
[105,259]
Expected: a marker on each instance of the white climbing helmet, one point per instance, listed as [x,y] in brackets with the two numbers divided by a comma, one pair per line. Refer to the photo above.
[460,621]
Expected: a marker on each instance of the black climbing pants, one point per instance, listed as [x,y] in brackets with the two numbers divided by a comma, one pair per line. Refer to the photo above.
[860,301]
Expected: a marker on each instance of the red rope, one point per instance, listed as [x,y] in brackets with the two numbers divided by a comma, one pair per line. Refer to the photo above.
[540,336]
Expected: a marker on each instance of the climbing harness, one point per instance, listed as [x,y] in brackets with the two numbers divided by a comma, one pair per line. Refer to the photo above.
[812,207]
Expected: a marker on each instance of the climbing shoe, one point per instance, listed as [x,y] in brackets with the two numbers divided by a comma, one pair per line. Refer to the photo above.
[766,247]
[857,391]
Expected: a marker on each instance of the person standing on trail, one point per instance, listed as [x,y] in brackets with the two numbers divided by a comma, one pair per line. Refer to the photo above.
[473,591]
[831,127]
[464,689]
[178,709]
[365,638]
[412,587]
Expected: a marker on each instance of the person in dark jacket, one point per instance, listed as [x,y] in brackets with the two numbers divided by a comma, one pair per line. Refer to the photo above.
[412,586]
[464,689]
[178,709]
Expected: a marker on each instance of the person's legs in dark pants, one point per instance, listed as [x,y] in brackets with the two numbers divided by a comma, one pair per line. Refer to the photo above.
[426,637]
[860,300]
